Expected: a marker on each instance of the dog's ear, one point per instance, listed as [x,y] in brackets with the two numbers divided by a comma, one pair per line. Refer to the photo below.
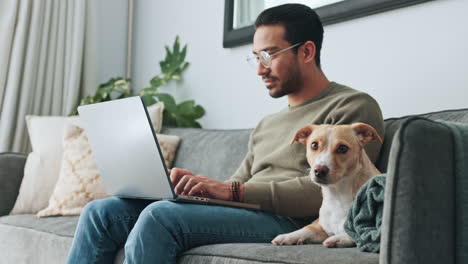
[366,133]
[302,134]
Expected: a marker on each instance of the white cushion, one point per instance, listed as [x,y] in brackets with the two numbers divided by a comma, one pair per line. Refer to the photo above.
[42,166]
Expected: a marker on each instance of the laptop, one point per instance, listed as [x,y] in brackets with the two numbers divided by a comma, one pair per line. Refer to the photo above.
[128,154]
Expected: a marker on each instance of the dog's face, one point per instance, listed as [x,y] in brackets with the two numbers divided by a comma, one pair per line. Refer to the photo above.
[334,151]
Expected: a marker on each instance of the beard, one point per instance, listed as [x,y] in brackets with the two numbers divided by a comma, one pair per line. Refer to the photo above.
[292,83]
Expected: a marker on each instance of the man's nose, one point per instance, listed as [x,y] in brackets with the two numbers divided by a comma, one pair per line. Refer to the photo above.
[262,70]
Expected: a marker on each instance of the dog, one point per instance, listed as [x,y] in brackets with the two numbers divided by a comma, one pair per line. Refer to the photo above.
[340,165]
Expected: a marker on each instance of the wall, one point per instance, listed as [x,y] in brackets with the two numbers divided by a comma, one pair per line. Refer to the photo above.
[412,60]
[105,42]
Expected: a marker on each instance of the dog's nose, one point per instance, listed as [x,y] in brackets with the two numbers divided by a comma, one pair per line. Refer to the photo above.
[321,171]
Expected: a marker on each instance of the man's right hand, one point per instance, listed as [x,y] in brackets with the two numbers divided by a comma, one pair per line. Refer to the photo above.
[176,174]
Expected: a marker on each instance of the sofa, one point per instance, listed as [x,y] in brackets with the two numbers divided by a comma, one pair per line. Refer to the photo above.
[418,215]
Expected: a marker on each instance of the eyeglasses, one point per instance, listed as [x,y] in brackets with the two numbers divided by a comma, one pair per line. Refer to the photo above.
[265,58]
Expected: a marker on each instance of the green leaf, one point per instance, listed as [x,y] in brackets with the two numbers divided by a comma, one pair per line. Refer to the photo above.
[198,111]
[156,81]
[196,124]
[169,102]
[184,66]
[183,53]
[186,107]
[168,52]
[150,91]
[186,122]
[169,119]
[176,45]
[163,65]
[149,100]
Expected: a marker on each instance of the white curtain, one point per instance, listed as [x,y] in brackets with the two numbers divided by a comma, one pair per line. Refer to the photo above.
[41,56]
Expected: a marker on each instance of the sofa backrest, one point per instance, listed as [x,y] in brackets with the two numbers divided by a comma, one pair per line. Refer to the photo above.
[218,153]
[214,153]
[393,124]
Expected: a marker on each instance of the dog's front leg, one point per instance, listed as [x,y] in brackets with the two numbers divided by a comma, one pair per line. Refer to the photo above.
[340,241]
[312,233]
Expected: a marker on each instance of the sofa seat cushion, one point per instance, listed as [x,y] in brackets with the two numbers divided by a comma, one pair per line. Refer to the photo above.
[268,253]
[61,226]
[28,239]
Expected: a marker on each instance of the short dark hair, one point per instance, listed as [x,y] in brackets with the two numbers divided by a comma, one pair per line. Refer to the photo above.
[300,22]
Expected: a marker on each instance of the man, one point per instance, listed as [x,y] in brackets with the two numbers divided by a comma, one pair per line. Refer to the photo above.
[286,49]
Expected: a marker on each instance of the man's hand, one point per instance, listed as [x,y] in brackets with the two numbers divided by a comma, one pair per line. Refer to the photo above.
[186,183]
[203,186]
[176,174]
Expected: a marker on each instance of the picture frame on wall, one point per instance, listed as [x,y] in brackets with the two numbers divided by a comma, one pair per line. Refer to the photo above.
[239,15]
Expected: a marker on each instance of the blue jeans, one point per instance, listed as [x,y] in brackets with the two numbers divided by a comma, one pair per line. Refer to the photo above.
[156,232]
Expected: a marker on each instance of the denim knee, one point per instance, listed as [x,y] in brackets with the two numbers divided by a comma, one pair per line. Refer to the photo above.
[100,211]
[163,212]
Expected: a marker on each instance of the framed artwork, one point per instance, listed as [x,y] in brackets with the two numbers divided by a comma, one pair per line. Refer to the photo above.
[239,15]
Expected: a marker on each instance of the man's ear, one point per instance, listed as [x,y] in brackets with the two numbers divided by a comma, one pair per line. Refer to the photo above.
[366,133]
[302,135]
[309,51]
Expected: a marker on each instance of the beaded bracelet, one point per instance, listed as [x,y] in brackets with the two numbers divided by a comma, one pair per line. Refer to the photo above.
[235,191]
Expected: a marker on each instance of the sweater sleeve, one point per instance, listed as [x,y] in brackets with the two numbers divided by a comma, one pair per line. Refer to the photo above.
[297,197]
[360,108]
[242,173]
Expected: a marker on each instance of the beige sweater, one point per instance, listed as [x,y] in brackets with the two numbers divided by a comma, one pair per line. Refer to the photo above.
[274,172]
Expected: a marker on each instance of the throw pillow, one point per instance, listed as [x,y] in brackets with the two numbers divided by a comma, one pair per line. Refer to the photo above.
[79,181]
[43,163]
[42,166]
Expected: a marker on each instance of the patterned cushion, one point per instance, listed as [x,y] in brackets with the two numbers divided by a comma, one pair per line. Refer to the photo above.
[79,181]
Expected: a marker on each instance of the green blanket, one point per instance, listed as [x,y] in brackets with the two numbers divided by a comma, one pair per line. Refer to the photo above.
[365,215]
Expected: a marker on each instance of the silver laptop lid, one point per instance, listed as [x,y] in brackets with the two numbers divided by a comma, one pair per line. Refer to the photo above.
[126,150]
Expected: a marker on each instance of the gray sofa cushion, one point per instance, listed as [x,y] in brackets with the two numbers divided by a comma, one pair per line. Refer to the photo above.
[215,153]
[28,239]
[11,174]
[61,226]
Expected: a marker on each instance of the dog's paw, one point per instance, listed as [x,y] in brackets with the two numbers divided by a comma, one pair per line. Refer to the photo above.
[339,241]
[298,237]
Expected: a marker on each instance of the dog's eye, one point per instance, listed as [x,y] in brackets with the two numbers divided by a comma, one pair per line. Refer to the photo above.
[314,146]
[342,149]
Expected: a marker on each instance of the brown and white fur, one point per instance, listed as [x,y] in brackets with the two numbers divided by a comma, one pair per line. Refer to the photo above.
[340,165]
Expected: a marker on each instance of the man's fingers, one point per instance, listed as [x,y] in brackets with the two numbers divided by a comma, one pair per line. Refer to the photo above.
[192,182]
[177,173]
[197,189]
[181,185]
[173,175]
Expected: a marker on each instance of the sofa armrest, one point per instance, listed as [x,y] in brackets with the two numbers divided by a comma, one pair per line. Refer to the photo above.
[11,174]
[419,208]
